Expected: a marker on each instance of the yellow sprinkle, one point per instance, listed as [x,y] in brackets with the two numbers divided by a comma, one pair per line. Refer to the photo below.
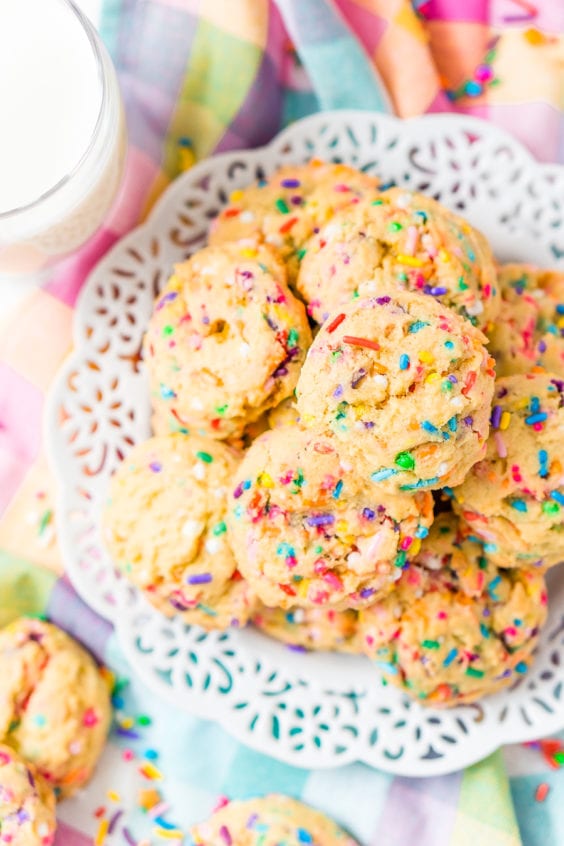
[235,196]
[186,158]
[149,771]
[560,323]
[113,796]
[444,256]
[167,834]
[341,527]
[102,831]
[127,723]
[432,377]
[303,587]
[410,260]
[306,419]
[504,420]
[415,546]
[534,37]
[249,252]
[426,357]
[265,480]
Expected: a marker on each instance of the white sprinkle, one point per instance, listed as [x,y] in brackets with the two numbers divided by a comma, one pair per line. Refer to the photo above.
[247,216]
[276,240]
[475,309]
[199,470]
[403,201]
[244,349]
[197,404]
[380,380]
[458,402]
[213,545]
[192,529]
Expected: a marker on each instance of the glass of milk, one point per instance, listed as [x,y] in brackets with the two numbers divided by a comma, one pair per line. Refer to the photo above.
[62,133]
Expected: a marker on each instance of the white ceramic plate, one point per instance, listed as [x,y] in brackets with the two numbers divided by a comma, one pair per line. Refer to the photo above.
[310,710]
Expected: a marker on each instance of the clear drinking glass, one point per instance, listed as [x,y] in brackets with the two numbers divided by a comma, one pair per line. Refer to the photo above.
[60,219]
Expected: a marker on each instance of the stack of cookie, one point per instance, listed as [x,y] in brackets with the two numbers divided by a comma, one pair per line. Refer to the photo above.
[321,384]
[54,717]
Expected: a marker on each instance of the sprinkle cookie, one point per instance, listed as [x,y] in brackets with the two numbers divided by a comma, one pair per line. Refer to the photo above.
[308,531]
[54,703]
[225,342]
[405,384]
[178,552]
[404,240]
[27,803]
[455,627]
[319,629]
[288,207]
[273,819]
[513,500]
[528,333]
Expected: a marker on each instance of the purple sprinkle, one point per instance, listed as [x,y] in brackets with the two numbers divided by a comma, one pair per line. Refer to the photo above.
[252,820]
[296,200]
[541,346]
[114,821]
[437,290]
[22,816]
[366,592]
[320,520]
[357,377]
[558,384]
[246,274]
[502,393]
[468,421]
[296,648]
[168,298]
[452,378]
[123,732]
[383,300]
[205,320]
[238,491]
[130,840]
[496,416]
[200,579]
[368,424]
[338,392]
[155,466]
[368,514]
[271,323]
[290,183]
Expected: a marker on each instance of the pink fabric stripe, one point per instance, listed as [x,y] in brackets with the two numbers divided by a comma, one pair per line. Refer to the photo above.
[68,836]
[70,275]
[368,26]
[21,407]
[140,174]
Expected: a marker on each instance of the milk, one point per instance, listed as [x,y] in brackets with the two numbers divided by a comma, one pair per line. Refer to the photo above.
[62,136]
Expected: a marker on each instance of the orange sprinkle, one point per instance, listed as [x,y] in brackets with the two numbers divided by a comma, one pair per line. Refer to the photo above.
[542,791]
[353,341]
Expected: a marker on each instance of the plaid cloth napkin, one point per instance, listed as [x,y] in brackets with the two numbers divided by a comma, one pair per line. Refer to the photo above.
[200,76]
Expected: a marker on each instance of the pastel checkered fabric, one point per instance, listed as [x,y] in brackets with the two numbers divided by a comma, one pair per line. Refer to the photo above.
[200,76]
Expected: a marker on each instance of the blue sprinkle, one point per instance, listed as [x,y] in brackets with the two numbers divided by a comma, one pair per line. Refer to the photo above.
[387,667]
[421,532]
[484,630]
[428,427]
[167,393]
[536,418]
[519,505]
[338,488]
[385,473]
[368,514]
[449,345]
[321,520]
[422,483]
[404,362]
[417,325]
[304,836]
[521,667]
[450,657]
[452,424]
[534,405]
[560,308]
[200,579]
[246,484]
[558,497]
[543,463]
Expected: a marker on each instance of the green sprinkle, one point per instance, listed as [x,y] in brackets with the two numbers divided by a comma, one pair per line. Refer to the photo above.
[476,674]
[402,277]
[207,610]
[144,720]
[45,520]
[168,330]
[400,559]
[336,353]
[463,286]
[550,507]
[430,644]
[482,562]
[205,456]
[282,205]
[220,529]
[355,295]
[318,550]
[293,337]
[446,386]
[221,409]
[301,253]
[405,460]
[377,202]
[394,226]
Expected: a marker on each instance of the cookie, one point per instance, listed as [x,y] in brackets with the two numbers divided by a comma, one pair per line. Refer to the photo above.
[54,703]
[164,522]
[455,627]
[285,209]
[309,531]
[225,342]
[319,629]
[273,819]
[27,803]
[233,608]
[513,500]
[528,333]
[285,414]
[405,384]
[404,240]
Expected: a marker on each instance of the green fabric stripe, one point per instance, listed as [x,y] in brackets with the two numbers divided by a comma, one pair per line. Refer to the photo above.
[24,587]
[485,811]
[110,17]
[220,72]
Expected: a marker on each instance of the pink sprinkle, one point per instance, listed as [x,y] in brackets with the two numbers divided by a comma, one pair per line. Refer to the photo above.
[410,241]
[538,427]
[225,836]
[90,718]
[442,615]
[500,444]
[343,189]
[127,755]
[221,803]
[333,580]
[511,631]
[406,543]
[483,73]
